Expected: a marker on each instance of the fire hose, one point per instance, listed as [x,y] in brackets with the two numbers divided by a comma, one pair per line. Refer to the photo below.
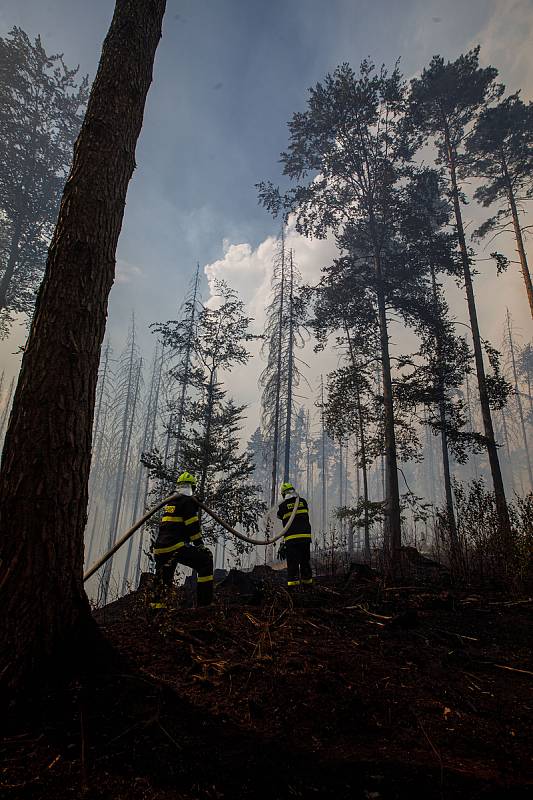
[118,544]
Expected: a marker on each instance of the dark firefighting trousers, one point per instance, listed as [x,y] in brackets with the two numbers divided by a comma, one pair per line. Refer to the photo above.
[199,558]
[298,562]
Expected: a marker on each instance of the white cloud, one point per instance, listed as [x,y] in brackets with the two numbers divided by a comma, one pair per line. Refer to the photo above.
[249,271]
[126,272]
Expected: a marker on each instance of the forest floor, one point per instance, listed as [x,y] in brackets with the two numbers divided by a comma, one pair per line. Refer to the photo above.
[353,690]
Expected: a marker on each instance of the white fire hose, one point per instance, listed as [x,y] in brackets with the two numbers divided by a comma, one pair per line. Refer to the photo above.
[101,561]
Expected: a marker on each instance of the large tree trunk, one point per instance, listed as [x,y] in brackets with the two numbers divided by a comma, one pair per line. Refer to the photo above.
[497,480]
[45,468]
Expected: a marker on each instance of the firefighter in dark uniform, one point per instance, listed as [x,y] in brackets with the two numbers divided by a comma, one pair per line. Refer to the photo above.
[180,542]
[297,539]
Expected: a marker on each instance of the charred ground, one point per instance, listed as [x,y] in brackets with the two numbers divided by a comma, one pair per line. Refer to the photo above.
[356,690]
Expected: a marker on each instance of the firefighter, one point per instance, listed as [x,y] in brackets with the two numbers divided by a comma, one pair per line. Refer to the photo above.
[180,542]
[297,539]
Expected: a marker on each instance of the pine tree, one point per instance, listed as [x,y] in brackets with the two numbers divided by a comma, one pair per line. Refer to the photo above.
[41,109]
[351,148]
[500,152]
[445,101]
[211,448]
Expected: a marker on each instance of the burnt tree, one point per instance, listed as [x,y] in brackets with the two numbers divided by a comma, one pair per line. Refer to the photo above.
[45,467]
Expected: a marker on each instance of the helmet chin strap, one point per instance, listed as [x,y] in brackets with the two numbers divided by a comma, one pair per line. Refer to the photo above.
[184,488]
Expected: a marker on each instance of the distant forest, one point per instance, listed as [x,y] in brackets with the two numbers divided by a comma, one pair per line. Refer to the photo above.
[427,448]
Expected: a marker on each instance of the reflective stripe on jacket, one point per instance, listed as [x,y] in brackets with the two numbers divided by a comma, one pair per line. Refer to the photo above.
[301,525]
[179,526]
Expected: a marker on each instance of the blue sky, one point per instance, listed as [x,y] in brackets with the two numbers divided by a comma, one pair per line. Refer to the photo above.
[228,76]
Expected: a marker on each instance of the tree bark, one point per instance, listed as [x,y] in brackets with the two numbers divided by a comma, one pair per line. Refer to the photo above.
[492,450]
[46,461]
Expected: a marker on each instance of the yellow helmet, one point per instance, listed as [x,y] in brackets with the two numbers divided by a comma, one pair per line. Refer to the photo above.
[186,477]
[286,487]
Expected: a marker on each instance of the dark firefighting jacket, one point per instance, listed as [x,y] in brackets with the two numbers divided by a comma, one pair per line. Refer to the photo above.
[179,526]
[301,525]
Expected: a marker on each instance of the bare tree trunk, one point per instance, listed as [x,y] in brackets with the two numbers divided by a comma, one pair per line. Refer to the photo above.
[141,470]
[121,476]
[275,443]
[103,379]
[47,453]
[519,401]
[207,434]
[185,384]
[288,417]
[499,490]
[471,423]
[323,458]
[508,448]
[11,265]
[96,476]
[518,233]
[393,533]
[452,527]
[149,448]
[356,461]
[362,445]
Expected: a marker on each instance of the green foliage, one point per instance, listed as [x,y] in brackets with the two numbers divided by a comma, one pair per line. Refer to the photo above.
[447,97]
[356,513]
[213,423]
[500,151]
[41,109]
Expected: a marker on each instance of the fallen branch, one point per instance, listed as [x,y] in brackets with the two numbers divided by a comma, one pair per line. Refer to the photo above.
[452,633]
[513,602]
[513,669]
[365,611]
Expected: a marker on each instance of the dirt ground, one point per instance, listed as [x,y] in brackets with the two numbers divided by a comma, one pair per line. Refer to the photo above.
[353,690]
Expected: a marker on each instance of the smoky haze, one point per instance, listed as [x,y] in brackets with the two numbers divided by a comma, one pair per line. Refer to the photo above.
[227,79]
